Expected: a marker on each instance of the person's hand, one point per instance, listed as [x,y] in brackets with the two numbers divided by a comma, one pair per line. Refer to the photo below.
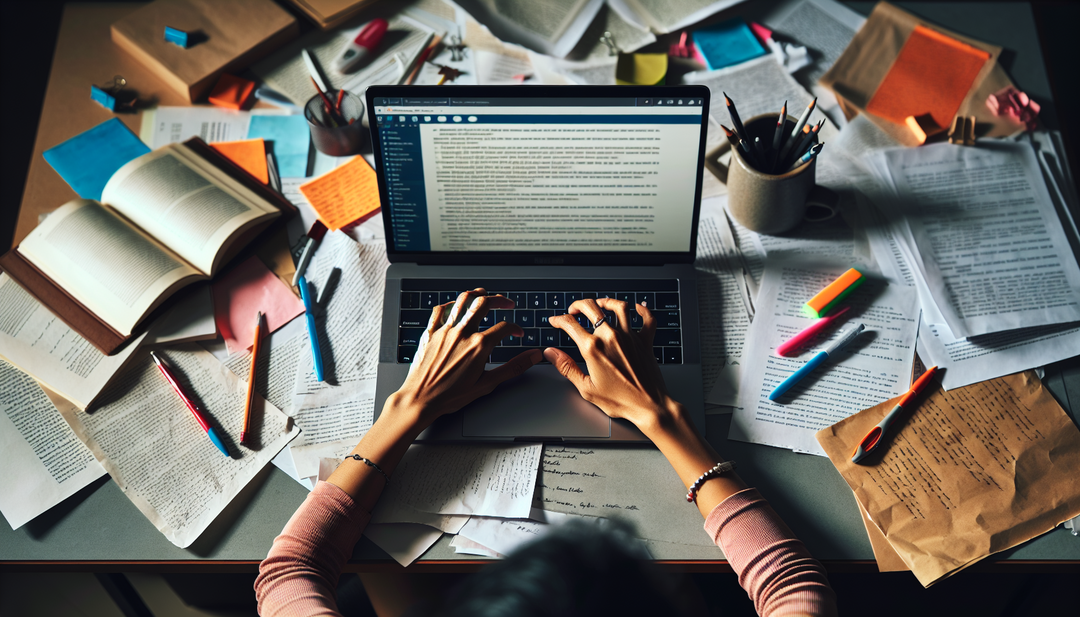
[624,379]
[447,372]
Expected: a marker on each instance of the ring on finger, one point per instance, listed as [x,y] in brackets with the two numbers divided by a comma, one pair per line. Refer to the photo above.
[599,322]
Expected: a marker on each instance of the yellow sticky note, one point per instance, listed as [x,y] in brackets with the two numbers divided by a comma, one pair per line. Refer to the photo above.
[344,195]
[249,154]
[641,69]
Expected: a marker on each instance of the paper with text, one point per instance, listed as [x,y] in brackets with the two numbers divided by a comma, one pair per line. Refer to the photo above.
[874,367]
[966,474]
[505,535]
[141,418]
[480,480]
[44,462]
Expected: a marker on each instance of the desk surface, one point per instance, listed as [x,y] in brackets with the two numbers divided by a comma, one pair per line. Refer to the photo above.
[100,528]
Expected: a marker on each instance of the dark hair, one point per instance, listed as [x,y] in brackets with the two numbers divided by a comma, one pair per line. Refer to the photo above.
[578,568]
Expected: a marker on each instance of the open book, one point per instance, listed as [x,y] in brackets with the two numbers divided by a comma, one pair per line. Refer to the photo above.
[167,219]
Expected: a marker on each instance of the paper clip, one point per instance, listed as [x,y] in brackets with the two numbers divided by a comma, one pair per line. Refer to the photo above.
[110,96]
[609,40]
[177,37]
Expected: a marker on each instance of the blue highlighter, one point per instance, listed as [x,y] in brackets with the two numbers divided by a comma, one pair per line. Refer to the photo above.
[816,361]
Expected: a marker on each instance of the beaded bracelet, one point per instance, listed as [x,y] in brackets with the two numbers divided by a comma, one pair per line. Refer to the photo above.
[370,464]
[720,468]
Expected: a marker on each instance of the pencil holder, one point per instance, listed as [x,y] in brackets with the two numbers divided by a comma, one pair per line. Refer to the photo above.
[336,134]
[772,203]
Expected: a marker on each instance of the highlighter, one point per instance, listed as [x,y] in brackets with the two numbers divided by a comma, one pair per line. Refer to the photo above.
[837,290]
[362,47]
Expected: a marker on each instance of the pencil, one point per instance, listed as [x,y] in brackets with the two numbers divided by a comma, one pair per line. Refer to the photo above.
[337,106]
[798,129]
[251,378]
[740,130]
[778,139]
[326,104]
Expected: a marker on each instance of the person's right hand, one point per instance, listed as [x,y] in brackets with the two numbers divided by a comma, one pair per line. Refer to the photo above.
[624,379]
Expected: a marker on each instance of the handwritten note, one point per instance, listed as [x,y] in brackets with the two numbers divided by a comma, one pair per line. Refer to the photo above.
[481,480]
[345,195]
[636,484]
[970,472]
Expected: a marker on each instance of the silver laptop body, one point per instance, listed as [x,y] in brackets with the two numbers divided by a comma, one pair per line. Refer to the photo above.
[543,193]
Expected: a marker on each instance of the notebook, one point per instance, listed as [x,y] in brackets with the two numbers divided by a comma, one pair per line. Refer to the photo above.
[546,195]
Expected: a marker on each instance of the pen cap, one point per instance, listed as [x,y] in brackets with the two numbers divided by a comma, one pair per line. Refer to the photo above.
[843,341]
[371,34]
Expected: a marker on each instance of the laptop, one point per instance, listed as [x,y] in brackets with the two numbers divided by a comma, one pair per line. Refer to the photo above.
[546,195]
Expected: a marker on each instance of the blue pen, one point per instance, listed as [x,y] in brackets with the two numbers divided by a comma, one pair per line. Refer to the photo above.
[814,362]
[313,336]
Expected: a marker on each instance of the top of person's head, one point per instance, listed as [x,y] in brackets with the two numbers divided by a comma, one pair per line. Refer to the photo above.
[578,568]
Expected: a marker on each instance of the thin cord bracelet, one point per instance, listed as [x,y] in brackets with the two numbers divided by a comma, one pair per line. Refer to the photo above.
[719,469]
[370,464]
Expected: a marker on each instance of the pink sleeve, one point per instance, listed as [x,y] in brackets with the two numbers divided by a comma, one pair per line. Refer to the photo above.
[774,567]
[300,574]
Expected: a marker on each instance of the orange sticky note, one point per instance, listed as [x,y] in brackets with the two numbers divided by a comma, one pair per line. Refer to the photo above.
[932,74]
[244,291]
[344,195]
[232,92]
[249,154]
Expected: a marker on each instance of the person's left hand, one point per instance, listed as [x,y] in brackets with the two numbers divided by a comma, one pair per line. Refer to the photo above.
[447,372]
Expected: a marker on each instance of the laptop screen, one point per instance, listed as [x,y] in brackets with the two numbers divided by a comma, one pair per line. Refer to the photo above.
[494,170]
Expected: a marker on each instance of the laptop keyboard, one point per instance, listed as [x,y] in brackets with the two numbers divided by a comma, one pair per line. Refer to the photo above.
[536,300]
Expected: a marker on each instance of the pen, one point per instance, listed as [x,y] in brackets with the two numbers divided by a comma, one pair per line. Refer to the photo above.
[795,132]
[313,70]
[275,98]
[362,46]
[251,378]
[808,333]
[814,362]
[271,169]
[806,158]
[873,438]
[190,404]
[736,123]
[423,58]
[314,235]
[807,137]
[778,139]
[313,336]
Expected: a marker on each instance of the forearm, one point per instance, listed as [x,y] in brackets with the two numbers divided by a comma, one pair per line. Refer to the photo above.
[675,436]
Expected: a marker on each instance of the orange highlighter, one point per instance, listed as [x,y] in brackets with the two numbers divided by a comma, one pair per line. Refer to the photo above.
[873,438]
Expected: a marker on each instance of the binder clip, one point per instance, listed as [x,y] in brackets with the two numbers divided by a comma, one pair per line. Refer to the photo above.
[177,37]
[609,40]
[963,131]
[457,49]
[111,96]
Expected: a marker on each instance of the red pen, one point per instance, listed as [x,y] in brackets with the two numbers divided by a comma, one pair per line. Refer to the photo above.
[362,47]
[199,417]
[873,438]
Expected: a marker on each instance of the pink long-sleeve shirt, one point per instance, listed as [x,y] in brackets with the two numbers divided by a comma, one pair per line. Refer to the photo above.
[300,574]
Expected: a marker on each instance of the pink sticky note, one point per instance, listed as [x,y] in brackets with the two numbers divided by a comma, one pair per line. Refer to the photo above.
[762,32]
[244,291]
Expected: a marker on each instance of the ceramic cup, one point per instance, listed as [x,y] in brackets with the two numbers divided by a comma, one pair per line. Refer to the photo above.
[341,140]
[772,203]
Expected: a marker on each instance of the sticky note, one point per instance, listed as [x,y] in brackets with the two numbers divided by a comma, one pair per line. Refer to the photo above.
[249,154]
[641,69]
[176,37]
[241,293]
[727,43]
[232,92]
[288,139]
[344,195]
[89,159]
[932,74]
[836,291]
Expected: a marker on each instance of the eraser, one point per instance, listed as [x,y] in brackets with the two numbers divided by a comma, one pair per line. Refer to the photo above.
[177,37]
[923,127]
[837,290]
[232,92]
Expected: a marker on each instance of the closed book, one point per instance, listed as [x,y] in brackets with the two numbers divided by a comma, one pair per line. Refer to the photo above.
[330,13]
[227,36]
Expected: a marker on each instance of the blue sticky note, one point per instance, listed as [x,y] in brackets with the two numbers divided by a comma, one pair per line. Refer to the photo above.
[89,159]
[289,140]
[727,43]
[176,37]
[103,98]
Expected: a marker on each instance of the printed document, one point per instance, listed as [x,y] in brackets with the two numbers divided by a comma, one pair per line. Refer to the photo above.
[874,367]
[148,441]
[44,463]
[38,342]
[989,241]
[481,480]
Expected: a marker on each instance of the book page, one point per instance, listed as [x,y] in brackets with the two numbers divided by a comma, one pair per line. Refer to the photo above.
[41,344]
[663,16]
[110,266]
[148,441]
[44,463]
[185,203]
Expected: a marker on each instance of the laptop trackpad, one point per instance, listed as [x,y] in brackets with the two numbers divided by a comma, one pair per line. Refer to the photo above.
[540,403]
